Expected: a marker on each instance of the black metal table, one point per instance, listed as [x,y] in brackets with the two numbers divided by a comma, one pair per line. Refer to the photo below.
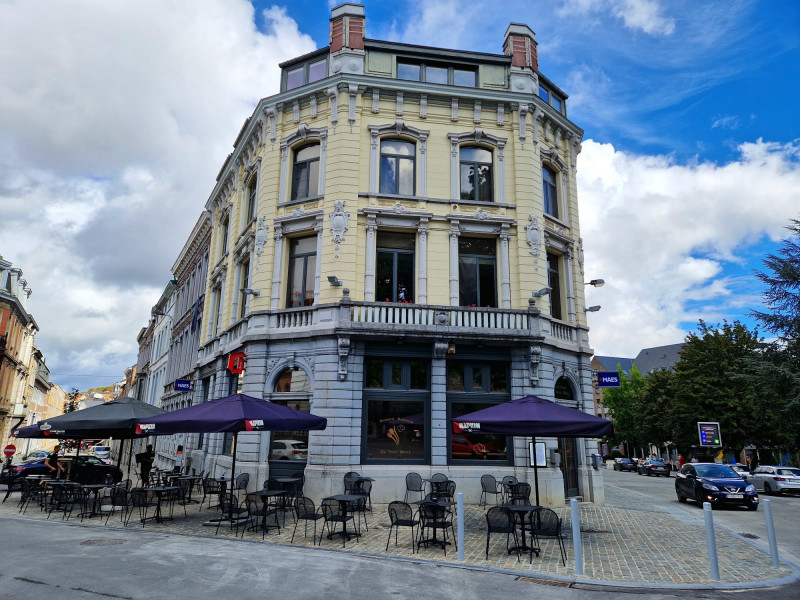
[159,491]
[265,495]
[524,510]
[344,500]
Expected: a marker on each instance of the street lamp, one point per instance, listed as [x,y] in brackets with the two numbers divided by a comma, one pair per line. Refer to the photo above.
[251,292]
[591,308]
[595,282]
[542,292]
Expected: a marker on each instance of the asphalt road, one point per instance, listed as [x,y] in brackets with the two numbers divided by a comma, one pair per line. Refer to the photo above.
[785,511]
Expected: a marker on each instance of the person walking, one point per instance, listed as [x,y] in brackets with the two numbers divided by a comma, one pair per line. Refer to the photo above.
[53,465]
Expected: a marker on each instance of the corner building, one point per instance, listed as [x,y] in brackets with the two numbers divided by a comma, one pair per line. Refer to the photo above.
[384,235]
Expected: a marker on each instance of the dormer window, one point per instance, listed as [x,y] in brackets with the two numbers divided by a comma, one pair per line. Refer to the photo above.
[551,98]
[442,74]
[306,73]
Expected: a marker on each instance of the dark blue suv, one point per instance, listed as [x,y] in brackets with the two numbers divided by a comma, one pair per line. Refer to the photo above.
[717,484]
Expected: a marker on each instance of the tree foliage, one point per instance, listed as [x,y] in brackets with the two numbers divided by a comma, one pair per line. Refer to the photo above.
[625,404]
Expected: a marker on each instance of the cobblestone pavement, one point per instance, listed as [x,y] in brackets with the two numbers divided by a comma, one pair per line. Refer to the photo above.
[622,543]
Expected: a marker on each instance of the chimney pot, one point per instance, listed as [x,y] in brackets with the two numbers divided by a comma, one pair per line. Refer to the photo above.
[347,27]
[520,44]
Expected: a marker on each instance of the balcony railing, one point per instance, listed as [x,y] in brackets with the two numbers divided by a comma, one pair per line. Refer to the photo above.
[350,317]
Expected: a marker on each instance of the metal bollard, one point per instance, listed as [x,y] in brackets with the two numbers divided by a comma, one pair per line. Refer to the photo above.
[711,539]
[773,540]
[460,508]
[576,536]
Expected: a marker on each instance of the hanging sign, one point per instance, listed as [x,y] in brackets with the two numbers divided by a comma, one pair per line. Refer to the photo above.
[236,362]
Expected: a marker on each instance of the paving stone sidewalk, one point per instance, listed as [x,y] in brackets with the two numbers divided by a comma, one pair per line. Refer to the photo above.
[623,542]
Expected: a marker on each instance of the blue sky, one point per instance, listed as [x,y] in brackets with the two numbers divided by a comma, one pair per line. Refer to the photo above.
[116,117]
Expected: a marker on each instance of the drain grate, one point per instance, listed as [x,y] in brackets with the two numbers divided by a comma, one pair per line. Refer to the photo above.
[750,536]
[564,584]
[596,531]
[102,542]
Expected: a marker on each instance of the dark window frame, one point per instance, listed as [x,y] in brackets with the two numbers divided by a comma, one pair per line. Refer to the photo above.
[395,254]
[554,276]
[252,199]
[451,69]
[306,69]
[244,282]
[550,191]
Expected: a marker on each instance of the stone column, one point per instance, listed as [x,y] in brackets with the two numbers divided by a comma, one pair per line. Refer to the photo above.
[369,274]
[505,277]
[454,234]
[422,265]
[277,267]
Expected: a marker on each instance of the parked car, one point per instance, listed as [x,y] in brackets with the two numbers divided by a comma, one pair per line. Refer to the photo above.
[775,480]
[289,450]
[653,467]
[103,453]
[717,484]
[38,454]
[741,470]
[83,469]
[624,464]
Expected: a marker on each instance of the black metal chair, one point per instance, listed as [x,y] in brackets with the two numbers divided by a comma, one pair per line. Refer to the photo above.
[116,500]
[545,523]
[231,510]
[211,490]
[363,488]
[359,507]
[520,493]
[349,480]
[414,485]
[242,480]
[305,510]
[489,485]
[125,484]
[140,501]
[260,516]
[31,492]
[332,515]
[499,519]
[506,482]
[63,499]
[402,515]
[437,518]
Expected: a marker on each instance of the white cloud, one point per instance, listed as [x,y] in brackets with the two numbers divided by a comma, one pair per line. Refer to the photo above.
[108,113]
[661,234]
[725,122]
[643,15]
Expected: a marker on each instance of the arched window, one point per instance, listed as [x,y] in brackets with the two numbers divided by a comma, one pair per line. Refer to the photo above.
[477,182]
[398,166]
[305,172]
[550,192]
[563,389]
[293,389]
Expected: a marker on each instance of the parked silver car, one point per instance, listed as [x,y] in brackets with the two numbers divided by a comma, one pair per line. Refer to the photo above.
[775,480]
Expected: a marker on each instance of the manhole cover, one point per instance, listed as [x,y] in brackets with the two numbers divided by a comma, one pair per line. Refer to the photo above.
[565,584]
[749,536]
[102,542]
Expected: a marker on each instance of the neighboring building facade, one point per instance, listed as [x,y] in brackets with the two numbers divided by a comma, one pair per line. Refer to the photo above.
[17,335]
[395,242]
[190,272]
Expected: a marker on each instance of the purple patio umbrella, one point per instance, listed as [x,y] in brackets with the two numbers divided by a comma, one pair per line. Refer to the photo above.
[534,416]
[235,413]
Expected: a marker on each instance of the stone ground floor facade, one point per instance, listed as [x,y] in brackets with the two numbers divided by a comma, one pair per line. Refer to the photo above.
[389,397]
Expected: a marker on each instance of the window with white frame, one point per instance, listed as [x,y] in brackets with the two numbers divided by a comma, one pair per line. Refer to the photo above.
[398,167]
[244,283]
[305,172]
[477,271]
[302,271]
[475,166]
[394,281]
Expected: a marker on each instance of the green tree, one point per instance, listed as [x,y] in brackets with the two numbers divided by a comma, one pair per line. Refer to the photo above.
[711,384]
[626,404]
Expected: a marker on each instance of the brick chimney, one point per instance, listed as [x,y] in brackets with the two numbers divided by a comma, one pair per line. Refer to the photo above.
[520,44]
[347,27]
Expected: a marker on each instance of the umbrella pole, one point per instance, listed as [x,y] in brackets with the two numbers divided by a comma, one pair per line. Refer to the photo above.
[536,471]
[233,477]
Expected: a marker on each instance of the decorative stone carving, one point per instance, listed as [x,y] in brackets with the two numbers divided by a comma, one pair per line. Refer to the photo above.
[476,112]
[351,108]
[454,109]
[501,114]
[423,106]
[296,111]
[399,209]
[536,359]
[261,235]
[340,220]
[344,352]
[482,214]
[399,105]
[536,116]
[580,254]
[376,100]
[333,97]
[298,212]
[313,100]
[534,237]
[523,123]
[441,317]
[439,349]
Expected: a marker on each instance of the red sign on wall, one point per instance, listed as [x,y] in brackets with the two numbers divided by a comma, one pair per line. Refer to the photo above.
[236,362]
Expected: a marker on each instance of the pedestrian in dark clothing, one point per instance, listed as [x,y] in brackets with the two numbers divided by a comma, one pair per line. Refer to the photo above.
[146,460]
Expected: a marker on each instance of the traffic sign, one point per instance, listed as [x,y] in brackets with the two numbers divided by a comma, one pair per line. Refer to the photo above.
[9,450]
[709,433]
[607,379]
